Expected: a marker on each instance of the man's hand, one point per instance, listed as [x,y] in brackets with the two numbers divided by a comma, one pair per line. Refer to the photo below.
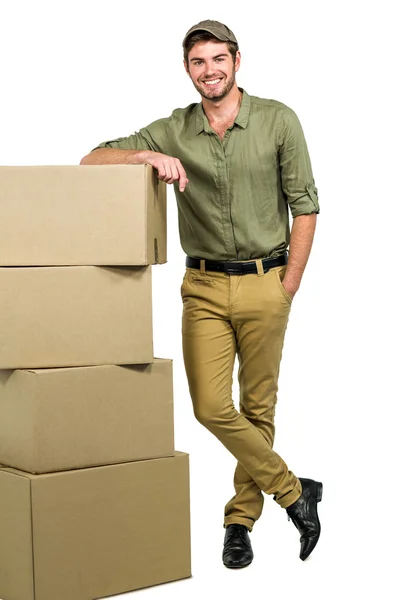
[291,289]
[301,239]
[169,169]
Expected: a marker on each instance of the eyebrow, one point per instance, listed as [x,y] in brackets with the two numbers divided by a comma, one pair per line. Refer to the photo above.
[201,58]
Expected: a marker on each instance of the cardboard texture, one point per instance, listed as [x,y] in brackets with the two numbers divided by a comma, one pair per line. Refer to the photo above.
[92,533]
[75,316]
[56,419]
[82,215]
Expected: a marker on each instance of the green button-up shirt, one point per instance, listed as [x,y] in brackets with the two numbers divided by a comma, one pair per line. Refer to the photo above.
[235,206]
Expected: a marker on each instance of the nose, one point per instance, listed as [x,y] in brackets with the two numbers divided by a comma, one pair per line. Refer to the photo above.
[210,73]
[209,69]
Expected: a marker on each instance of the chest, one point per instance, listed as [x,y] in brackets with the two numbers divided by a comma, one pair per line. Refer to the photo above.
[220,127]
[244,153]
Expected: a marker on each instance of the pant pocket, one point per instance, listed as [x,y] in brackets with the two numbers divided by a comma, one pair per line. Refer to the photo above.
[184,281]
[193,280]
[202,280]
[279,275]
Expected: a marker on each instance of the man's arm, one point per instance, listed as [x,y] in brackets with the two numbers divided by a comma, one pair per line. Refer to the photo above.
[112,156]
[169,169]
[301,239]
[301,195]
[148,146]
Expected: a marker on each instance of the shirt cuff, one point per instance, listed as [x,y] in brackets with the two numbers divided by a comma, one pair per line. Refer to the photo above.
[306,204]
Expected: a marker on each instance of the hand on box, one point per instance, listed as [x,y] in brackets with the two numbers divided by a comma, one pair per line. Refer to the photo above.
[169,169]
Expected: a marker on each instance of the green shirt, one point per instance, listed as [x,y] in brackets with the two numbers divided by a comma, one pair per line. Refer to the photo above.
[235,206]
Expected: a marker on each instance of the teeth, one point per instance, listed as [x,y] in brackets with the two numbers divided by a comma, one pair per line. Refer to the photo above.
[213,82]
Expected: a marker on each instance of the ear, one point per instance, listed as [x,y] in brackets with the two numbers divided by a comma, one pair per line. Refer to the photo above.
[238,61]
[186,67]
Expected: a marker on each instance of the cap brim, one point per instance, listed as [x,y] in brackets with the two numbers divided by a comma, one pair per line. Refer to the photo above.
[218,35]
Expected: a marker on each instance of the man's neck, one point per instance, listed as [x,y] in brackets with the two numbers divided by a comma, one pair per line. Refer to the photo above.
[224,108]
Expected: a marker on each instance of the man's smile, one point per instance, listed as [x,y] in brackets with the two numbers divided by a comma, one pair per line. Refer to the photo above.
[211,82]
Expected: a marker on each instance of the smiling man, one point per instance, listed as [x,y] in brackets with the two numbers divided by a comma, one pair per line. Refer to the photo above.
[238,164]
[196,67]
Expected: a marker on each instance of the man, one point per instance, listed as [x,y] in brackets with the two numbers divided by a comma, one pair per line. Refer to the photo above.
[237,163]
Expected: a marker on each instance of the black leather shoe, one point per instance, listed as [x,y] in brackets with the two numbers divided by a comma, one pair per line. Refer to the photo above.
[237,551]
[304,515]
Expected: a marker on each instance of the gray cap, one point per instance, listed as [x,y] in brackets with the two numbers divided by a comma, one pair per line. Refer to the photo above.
[217,29]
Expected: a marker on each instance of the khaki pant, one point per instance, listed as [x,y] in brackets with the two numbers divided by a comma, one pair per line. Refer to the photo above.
[247,315]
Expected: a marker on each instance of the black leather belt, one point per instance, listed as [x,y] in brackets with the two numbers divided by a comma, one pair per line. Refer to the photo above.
[236,268]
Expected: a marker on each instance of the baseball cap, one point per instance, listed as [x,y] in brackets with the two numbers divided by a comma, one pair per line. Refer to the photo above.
[217,29]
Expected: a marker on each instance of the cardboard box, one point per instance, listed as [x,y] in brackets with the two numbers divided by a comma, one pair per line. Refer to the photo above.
[56,419]
[82,215]
[75,316]
[90,533]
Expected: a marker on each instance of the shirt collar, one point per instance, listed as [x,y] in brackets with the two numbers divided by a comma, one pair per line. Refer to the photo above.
[242,118]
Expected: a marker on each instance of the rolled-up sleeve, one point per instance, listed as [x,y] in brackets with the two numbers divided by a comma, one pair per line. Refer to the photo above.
[295,166]
[153,137]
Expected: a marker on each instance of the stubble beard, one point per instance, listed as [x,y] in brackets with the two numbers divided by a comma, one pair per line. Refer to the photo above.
[224,92]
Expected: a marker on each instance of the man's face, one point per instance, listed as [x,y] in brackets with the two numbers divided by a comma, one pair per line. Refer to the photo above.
[211,68]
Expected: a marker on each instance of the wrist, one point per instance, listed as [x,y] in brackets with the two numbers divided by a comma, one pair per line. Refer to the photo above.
[290,286]
[140,157]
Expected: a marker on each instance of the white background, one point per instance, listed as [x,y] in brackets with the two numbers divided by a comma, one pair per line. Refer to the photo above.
[74,74]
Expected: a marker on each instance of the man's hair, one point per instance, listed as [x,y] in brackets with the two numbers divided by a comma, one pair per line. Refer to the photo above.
[204,36]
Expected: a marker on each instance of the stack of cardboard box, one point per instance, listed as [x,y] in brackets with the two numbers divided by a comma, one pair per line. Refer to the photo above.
[94,500]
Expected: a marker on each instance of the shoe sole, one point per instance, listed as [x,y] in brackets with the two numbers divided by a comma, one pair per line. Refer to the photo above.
[237,566]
